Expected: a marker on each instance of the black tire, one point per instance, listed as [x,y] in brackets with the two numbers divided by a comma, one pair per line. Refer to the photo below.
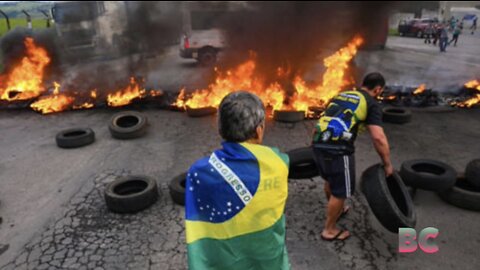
[463,195]
[472,173]
[207,57]
[397,115]
[412,191]
[131,194]
[200,112]
[177,189]
[75,137]
[128,125]
[388,198]
[302,163]
[288,116]
[428,174]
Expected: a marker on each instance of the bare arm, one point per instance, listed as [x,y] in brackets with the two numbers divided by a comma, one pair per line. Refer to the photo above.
[380,143]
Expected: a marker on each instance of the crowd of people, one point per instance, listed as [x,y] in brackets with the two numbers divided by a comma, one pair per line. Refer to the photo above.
[439,32]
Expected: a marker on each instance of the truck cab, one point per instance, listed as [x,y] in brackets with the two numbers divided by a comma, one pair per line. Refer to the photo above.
[89,28]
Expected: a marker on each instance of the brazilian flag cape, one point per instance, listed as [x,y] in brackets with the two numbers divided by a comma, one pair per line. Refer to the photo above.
[234,209]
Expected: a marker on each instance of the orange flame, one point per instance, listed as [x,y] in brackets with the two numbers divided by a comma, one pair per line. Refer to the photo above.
[85,105]
[127,95]
[475,84]
[243,78]
[53,103]
[25,80]
[391,97]
[420,89]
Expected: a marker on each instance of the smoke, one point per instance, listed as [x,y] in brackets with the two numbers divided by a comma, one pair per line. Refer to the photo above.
[13,48]
[296,35]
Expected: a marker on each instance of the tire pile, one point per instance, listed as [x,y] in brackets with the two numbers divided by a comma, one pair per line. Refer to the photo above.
[391,199]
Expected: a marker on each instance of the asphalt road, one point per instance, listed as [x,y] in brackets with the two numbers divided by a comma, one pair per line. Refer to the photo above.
[41,184]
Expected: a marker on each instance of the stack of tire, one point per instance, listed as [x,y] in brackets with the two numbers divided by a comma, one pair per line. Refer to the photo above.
[457,189]
[466,191]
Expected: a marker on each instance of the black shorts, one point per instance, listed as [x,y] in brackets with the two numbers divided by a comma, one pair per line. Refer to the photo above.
[338,171]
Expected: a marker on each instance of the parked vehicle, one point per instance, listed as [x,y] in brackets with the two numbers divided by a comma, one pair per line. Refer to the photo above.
[203,38]
[415,27]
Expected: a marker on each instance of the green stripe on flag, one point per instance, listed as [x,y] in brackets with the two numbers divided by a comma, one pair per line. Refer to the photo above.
[263,250]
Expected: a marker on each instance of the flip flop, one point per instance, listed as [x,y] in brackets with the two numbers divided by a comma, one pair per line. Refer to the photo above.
[335,238]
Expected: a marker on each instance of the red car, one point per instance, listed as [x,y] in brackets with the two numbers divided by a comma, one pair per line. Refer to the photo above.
[415,27]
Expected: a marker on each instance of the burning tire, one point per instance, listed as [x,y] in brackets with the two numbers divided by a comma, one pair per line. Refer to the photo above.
[388,198]
[472,173]
[463,194]
[428,174]
[302,163]
[177,189]
[288,116]
[131,194]
[75,137]
[200,112]
[128,125]
[397,115]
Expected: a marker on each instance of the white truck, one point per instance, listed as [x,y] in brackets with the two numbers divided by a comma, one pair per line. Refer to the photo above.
[203,38]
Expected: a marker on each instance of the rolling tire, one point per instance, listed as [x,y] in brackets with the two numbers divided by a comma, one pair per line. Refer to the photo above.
[388,198]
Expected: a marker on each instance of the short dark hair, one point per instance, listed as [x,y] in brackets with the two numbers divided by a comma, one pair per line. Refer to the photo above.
[373,80]
[239,115]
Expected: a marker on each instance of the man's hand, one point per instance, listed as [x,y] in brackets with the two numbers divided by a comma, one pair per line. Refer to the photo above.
[388,170]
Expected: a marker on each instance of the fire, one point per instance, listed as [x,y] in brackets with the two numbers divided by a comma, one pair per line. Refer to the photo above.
[53,103]
[274,95]
[127,95]
[155,93]
[85,105]
[25,81]
[420,89]
[391,97]
[475,84]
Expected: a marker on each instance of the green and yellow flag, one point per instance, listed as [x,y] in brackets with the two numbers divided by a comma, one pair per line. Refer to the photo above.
[234,209]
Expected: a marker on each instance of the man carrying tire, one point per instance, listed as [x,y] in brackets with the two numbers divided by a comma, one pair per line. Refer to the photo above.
[333,146]
[235,198]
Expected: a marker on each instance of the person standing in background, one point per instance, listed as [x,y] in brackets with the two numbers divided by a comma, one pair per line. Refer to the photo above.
[456,34]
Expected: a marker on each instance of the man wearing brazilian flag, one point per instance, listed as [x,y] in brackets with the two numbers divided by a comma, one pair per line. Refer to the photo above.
[235,198]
